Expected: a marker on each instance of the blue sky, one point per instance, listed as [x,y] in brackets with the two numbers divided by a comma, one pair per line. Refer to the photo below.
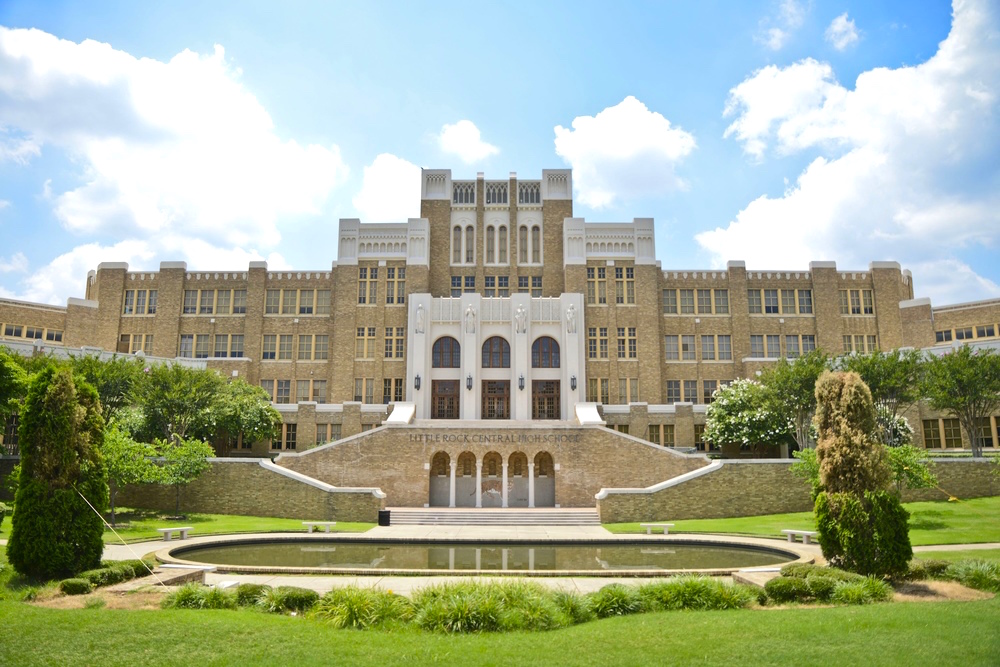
[777,132]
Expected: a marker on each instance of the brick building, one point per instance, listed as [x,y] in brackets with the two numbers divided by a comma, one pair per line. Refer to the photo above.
[498,304]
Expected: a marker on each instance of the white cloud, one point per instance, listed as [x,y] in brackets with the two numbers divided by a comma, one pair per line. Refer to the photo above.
[18,150]
[904,168]
[624,151]
[390,191]
[17,263]
[776,30]
[4,203]
[178,146]
[464,140]
[842,32]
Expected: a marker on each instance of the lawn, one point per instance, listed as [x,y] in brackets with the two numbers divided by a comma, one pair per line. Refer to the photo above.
[941,522]
[992,555]
[913,634]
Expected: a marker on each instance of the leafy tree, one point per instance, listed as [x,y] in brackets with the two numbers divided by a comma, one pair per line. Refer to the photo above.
[13,385]
[128,462]
[55,532]
[184,462]
[894,381]
[740,414]
[178,400]
[910,469]
[791,391]
[114,380]
[966,384]
[862,527]
[245,412]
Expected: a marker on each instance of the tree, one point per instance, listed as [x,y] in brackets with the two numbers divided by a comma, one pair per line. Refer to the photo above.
[791,391]
[128,462]
[178,400]
[862,527]
[55,531]
[245,412]
[184,462]
[114,380]
[740,414]
[13,385]
[894,381]
[966,384]
[910,469]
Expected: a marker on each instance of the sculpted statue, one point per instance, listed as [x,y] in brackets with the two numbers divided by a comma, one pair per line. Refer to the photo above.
[470,320]
[571,319]
[519,320]
[420,319]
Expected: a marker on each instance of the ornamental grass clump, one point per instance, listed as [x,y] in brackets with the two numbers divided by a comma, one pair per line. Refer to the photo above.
[927,569]
[695,593]
[488,607]
[865,591]
[979,574]
[247,594]
[616,600]
[197,596]
[287,599]
[576,608]
[362,608]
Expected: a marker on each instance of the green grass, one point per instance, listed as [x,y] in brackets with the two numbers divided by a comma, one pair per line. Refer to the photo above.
[942,522]
[992,555]
[142,525]
[883,634]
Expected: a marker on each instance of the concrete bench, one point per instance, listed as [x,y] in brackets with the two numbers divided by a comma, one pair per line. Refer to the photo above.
[326,525]
[807,535]
[650,526]
[168,532]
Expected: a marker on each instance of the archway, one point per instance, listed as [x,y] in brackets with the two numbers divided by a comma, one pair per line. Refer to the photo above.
[545,480]
[492,480]
[517,480]
[465,480]
[439,493]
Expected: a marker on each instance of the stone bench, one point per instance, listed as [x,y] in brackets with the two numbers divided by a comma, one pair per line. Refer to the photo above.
[650,526]
[807,535]
[326,525]
[168,532]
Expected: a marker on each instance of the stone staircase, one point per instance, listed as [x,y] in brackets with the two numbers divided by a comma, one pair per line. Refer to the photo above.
[488,516]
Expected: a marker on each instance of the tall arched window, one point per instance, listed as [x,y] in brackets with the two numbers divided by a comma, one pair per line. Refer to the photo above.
[456,245]
[446,353]
[536,244]
[522,253]
[490,245]
[470,245]
[502,246]
[545,353]
[496,353]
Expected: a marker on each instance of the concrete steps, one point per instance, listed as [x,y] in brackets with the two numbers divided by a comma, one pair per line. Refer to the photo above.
[488,516]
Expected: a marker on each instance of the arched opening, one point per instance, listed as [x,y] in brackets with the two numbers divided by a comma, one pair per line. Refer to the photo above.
[536,245]
[496,353]
[517,480]
[446,353]
[545,480]
[465,480]
[492,480]
[522,241]
[470,245]
[440,481]
[545,353]
[456,245]
[490,245]
[502,246]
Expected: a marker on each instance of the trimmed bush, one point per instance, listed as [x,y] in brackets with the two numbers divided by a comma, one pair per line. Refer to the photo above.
[616,600]
[821,588]
[868,534]
[865,591]
[787,589]
[247,595]
[927,569]
[696,593]
[362,608]
[75,586]
[287,599]
[575,607]
[979,574]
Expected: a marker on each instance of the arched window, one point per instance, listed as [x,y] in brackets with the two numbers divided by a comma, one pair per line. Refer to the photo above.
[470,245]
[502,246]
[446,353]
[522,253]
[496,353]
[490,245]
[456,245]
[545,353]
[536,244]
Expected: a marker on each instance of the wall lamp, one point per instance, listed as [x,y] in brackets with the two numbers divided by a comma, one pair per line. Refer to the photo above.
[572,382]
[416,382]
[468,382]
[520,383]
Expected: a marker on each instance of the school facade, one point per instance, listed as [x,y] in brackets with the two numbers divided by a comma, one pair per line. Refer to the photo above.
[498,306]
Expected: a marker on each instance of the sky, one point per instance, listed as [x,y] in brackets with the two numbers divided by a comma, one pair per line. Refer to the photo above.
[775,132]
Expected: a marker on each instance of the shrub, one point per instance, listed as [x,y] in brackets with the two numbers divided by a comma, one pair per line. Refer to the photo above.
[75,586]
[616,600]
[287,599]
[865,591]
[187,596]
[787,589]
[491,607]
[867,534]
[247,594]
[460,610]
[696,593]
[575,607]
[362,608]
[217,598]
[806,570]
[979,574]
[820,587]
[927,569]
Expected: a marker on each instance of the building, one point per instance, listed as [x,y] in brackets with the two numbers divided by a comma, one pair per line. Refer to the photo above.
[498,304]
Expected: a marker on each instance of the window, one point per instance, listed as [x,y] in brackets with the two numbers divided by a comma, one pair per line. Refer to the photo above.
[987,331]
[699,437]
[627,345]
[943,336]
[395,285]
[456,245]
[490,286]
[306,302]
[446,353]
[289,434]
[984,432]
[57,336]
[856,302]
[268,386]
[190,302]
[34,333]
[860,344]
[367,285]
[364,343]
[186,348]
[773,347]
[239,302]
[545,353]
[364,390]
[963,333]
[725,348]
[503,286]
[301,391]
[721,302]
[704,302]
[223,299]
[235,345]
[496,353]
[502,246]
[687,348]
[491,247]
[753,301]
[708,348]
[952,433]
[323,301]
[770,301]
[756,346]
[206,302]
[284,391]
[668,435]
[687,301]
[654,434]
[151,308]
[470,245]
[597,284]
[322,433]
[597,390]
[808,343]
[392,390]
[710,387]
[128,308]
[221,345]
[319,391]
[456,287]
[536,244]
[932,434]
[625,284]
[670,301]
[597,343]
[628,390]
[285,347]
[791,346]
[470,284]
[691,391]
[673,391]
[522,284]
[536,286]
[522,253]
[305,347]
[788,301]
[805,302]
[671,343]
[394,337]
[272,302]
[270,347]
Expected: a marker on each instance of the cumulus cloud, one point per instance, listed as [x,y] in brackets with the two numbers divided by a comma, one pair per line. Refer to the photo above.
[903,168]
[464,140]
[776,30]
[842,32]
[624,151]
[389,191]
[17,263]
